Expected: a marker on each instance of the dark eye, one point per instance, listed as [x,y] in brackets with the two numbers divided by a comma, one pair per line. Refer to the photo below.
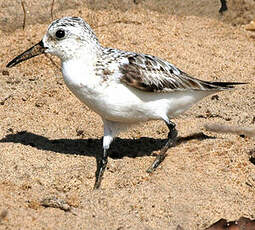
[60,33]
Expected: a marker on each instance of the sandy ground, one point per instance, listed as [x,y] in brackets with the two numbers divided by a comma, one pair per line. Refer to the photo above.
[49,140]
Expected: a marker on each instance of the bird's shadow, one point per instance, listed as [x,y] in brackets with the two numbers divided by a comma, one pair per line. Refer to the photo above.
[93,147]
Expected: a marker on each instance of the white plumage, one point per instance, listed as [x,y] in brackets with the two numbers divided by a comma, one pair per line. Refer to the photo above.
[123,87]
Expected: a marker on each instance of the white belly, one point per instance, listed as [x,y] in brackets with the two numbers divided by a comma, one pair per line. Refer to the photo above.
[118,102]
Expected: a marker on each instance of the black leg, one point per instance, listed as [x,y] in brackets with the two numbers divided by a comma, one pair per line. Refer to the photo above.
[223,6]
[101,165]
[172,136]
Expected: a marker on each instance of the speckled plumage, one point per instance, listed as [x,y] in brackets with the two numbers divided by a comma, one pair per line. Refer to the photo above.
[151,74]
[123,87]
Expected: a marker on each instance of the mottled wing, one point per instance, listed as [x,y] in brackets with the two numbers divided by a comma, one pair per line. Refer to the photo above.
[151,74]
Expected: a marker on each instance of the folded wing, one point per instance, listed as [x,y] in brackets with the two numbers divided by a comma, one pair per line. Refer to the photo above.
[151,74]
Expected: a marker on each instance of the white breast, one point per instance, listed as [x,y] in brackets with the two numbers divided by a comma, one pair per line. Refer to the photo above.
[82,81]
[116,101]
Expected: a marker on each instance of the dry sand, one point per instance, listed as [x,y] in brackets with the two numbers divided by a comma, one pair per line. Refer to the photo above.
[49,140]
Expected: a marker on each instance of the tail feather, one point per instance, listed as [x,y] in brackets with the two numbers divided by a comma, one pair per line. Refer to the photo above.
[226,85]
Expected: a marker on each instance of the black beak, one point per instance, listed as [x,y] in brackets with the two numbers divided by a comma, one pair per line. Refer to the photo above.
[32,52]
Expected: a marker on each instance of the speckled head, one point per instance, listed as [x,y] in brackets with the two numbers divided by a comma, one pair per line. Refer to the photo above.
[67,38]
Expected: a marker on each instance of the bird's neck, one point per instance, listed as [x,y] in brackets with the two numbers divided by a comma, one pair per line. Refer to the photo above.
[86,54]
[81,64]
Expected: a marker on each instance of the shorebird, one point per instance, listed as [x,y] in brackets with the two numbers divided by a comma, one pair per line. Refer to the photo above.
[123,87]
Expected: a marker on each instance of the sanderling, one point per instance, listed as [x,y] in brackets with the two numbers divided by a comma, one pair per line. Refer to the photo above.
[122,87]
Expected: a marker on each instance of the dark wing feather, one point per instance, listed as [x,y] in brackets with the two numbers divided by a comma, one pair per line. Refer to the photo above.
[151,74]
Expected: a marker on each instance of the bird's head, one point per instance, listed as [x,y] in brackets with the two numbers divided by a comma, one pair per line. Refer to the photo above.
[67,38]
